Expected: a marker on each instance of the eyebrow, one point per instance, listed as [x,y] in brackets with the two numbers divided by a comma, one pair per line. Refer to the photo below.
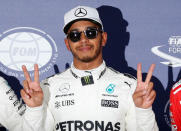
[73,30]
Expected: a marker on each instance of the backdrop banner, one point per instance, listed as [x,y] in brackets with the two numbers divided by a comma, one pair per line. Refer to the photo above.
[138,32]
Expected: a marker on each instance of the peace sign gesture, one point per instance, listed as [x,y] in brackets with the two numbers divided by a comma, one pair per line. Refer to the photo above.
[144,94]
[32,93]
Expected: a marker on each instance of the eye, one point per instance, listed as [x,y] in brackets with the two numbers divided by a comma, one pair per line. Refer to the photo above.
[73,34]
[91,33]
[76,34]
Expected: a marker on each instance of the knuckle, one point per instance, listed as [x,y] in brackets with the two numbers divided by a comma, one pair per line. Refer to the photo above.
[153,93]
[151,84]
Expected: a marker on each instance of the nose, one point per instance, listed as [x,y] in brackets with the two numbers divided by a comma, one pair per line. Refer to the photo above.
[83,38]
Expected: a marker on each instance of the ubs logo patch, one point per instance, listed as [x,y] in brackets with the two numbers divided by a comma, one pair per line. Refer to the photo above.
[64,103]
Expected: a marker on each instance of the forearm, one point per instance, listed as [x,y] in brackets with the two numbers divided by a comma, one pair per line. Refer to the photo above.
[38,119]
[145,119]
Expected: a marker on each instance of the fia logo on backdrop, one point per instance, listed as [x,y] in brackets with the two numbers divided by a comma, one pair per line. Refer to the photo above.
[170,52]
[26,46]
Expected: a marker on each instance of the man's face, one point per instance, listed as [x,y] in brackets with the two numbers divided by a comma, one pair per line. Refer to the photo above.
[85,49]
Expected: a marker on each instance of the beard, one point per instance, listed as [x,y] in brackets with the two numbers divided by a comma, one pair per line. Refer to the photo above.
[88,58]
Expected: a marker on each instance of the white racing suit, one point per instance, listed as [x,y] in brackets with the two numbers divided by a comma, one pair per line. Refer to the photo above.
[95,100]
[11,109]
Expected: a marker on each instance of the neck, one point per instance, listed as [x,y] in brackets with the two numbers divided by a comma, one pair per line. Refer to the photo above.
[87,65]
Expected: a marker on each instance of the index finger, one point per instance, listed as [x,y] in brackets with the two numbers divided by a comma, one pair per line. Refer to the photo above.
[26,74]
[150,72]
[36,73]
[139,73]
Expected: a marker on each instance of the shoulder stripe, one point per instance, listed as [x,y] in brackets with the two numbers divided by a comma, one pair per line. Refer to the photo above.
[115,71]
[130,76]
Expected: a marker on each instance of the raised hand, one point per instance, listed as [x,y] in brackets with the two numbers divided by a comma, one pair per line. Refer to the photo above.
[32,93]
[144,94]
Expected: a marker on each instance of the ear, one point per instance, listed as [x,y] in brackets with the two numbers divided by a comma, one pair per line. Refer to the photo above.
[104,38]
[67,43]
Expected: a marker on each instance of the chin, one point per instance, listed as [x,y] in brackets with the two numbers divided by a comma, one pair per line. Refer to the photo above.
[86,59]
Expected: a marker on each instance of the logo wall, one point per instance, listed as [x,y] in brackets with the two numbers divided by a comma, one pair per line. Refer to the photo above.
[26,46]
[170,52]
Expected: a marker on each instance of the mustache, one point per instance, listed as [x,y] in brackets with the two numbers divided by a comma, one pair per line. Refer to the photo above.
[84,45]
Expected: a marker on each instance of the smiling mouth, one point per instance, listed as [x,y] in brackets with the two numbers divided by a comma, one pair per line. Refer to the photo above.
[84,48]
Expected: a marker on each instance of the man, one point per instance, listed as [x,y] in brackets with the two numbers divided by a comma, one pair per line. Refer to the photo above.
[175,106]
[11,109]
[88,95]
